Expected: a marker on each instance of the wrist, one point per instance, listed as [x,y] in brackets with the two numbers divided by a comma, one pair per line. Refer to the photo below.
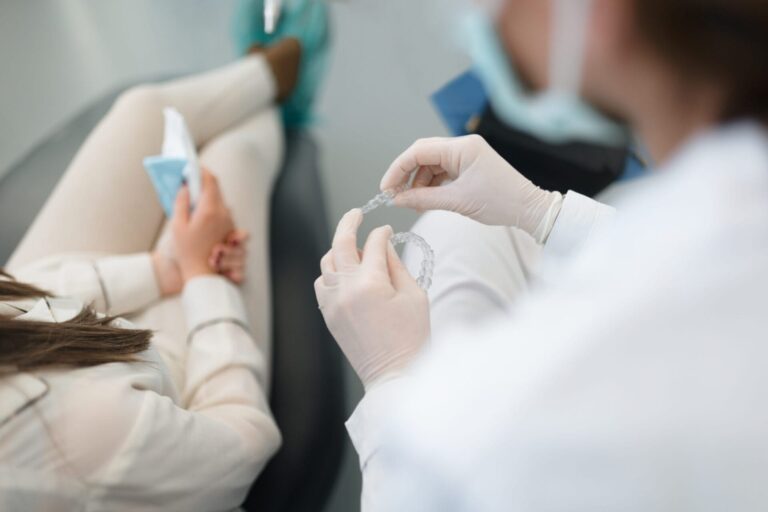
[167,274]
[547,212]
[391,366]
[192,270]
[379,380]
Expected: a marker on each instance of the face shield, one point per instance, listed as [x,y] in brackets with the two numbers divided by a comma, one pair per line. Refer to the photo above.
[557,114]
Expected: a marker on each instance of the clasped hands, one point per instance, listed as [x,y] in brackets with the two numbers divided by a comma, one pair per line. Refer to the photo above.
[204,241]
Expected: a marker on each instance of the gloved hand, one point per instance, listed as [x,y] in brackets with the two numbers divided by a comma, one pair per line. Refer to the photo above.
[371,304]
[465,175]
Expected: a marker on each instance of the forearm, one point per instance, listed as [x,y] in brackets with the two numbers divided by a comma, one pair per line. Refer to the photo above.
[113,285]
[225,363]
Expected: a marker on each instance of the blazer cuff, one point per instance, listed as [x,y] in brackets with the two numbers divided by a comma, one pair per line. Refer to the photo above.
[211,299]
[128,283]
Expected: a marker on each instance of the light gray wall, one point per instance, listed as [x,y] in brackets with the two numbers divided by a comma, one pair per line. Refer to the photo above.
[56,56]
[389,56]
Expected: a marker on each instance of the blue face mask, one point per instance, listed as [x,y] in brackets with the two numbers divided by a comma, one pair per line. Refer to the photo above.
[558,114]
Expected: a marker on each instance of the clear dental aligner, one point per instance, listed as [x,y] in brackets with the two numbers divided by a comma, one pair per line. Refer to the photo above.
[382,199]
[428,262]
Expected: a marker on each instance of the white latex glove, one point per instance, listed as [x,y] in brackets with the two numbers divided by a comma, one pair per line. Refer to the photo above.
[371,304]
[465,175]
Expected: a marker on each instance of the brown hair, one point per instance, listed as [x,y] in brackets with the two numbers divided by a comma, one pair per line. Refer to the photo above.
[724,42]
[85,340]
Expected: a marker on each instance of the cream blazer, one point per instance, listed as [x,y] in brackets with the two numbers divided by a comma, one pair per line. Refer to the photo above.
[129,436]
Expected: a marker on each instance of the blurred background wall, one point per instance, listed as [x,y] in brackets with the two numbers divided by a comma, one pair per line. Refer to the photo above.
[58,56]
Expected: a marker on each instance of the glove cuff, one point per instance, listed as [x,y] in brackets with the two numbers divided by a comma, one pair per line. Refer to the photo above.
[547,222]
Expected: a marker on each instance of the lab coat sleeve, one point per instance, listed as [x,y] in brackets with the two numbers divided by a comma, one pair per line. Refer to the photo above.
[113,285]
[203,453]
[579,217]
[367,431]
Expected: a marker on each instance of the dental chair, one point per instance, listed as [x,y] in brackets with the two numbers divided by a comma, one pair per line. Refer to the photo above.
[307,395]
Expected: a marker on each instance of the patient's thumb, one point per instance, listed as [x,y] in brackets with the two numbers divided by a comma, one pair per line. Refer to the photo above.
[181,205]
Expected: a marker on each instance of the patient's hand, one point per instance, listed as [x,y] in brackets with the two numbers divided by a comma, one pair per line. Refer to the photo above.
[229,257]
[197,234]
[167,274]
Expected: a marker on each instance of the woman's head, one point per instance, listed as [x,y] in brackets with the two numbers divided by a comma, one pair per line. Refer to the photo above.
[85,340]
[640,50]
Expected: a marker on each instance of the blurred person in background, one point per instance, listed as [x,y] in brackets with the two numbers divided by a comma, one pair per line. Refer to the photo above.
[629,374]
[167,410]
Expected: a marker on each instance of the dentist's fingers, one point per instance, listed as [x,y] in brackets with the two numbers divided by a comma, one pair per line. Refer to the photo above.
[321,291]
[427,198]
[345,255]
[423,153]
[426,175]
[438,180]
[375,250]
[326,264]
[401,278]
[328,269]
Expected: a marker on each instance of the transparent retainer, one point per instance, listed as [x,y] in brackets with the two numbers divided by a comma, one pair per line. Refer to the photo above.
[383,199]
[424,279]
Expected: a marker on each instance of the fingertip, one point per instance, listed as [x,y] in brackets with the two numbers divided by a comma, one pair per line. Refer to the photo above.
[395,177]
[345,240]
[354,215]
[393,257]
[382,230]
[403,199]
[386,182]
[209,179]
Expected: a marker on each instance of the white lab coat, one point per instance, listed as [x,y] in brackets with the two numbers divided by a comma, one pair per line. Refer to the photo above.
[632,378]
[130,436]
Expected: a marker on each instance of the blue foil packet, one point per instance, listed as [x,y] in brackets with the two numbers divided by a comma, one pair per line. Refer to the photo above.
[167,175]
[176,163]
